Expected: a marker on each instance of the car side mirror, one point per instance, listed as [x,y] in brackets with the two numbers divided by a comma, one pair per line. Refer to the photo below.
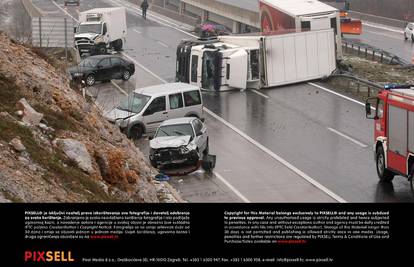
[100,66]
[150,137]
[369,108]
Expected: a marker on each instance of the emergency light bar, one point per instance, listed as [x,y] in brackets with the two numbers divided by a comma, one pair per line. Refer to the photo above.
[398,86]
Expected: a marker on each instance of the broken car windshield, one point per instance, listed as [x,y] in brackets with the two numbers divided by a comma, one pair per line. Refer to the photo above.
[134,103]
[175,130]
[89,28]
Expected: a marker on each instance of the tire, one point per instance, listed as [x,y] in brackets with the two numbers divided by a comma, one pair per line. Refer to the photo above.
[126,75]
[90,80]
[118,45]
[136,132]
[383,174]
[405,36]
[206,150]
[102,50]
[153,164]
[412,38]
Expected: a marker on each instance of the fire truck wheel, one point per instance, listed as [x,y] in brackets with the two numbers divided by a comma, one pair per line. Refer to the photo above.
[384,174]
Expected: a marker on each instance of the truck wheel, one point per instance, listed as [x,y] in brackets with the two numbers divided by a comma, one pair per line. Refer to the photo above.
[126,75]
[102,50]
[383,174]
[90,80]
[136,132]
[118,45]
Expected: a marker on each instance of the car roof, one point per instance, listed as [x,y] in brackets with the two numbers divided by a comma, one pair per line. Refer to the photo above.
[165,88]
[185,120]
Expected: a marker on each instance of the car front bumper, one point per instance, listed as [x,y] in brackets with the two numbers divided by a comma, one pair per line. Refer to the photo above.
[172,156]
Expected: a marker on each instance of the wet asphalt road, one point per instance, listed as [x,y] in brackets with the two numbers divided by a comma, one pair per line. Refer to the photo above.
[387,40]
[321,134]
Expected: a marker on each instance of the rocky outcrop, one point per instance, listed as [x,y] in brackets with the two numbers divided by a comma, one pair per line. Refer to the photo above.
[55,146]
[77,152]
[30,115]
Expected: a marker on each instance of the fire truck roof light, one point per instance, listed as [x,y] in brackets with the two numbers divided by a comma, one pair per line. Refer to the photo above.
[398,86]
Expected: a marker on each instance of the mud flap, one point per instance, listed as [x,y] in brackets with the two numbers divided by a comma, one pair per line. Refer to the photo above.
[208,163]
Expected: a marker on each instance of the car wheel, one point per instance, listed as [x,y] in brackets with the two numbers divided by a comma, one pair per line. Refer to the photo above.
[136,132]
[90,80]
[412,37]
[383,174]
[206,150]
[405,36]
[126,75]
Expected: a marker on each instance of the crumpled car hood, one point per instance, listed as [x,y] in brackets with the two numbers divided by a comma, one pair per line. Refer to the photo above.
[115,114]
[169,142]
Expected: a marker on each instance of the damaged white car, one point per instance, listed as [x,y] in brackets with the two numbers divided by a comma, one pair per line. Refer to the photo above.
[181,141]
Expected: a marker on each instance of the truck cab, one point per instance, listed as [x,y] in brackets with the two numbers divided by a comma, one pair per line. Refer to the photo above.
[217,65]
[393,114]
[100,29]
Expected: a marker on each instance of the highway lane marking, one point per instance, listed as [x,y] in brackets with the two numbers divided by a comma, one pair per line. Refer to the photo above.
[382,27]
[348,138]
[337,94]
[277,158]
[259,93]
[162,44]
[232,188]
[251,140]
[386,35]
[119,88]
[135,30]
[143,67]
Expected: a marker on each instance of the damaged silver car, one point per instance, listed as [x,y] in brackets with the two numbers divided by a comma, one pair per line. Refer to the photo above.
[182,141]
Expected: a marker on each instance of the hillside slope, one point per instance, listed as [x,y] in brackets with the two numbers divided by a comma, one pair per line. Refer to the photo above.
[54,145]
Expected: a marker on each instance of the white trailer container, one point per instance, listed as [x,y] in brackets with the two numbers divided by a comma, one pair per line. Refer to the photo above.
[245,61]
[100,29]
[300,15]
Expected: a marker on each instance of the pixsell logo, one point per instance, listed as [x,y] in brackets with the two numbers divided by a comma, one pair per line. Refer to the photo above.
[48,256]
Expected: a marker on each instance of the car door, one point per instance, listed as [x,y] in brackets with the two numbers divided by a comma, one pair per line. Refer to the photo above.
[104,71]
[176,104]
[200,134]
[116,68]
[155,114]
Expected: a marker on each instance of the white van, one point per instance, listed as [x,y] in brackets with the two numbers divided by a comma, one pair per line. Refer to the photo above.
[146,108]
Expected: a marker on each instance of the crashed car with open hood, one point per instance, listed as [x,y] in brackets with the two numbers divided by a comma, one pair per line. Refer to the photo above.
[181,141]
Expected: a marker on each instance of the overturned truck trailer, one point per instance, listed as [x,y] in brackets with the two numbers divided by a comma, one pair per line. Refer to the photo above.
[256,61]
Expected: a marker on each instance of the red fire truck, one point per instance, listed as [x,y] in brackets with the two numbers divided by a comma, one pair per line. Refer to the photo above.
[393,112]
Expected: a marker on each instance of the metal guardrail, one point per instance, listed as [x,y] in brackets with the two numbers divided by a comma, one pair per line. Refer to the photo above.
[355,86]
[372,53]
